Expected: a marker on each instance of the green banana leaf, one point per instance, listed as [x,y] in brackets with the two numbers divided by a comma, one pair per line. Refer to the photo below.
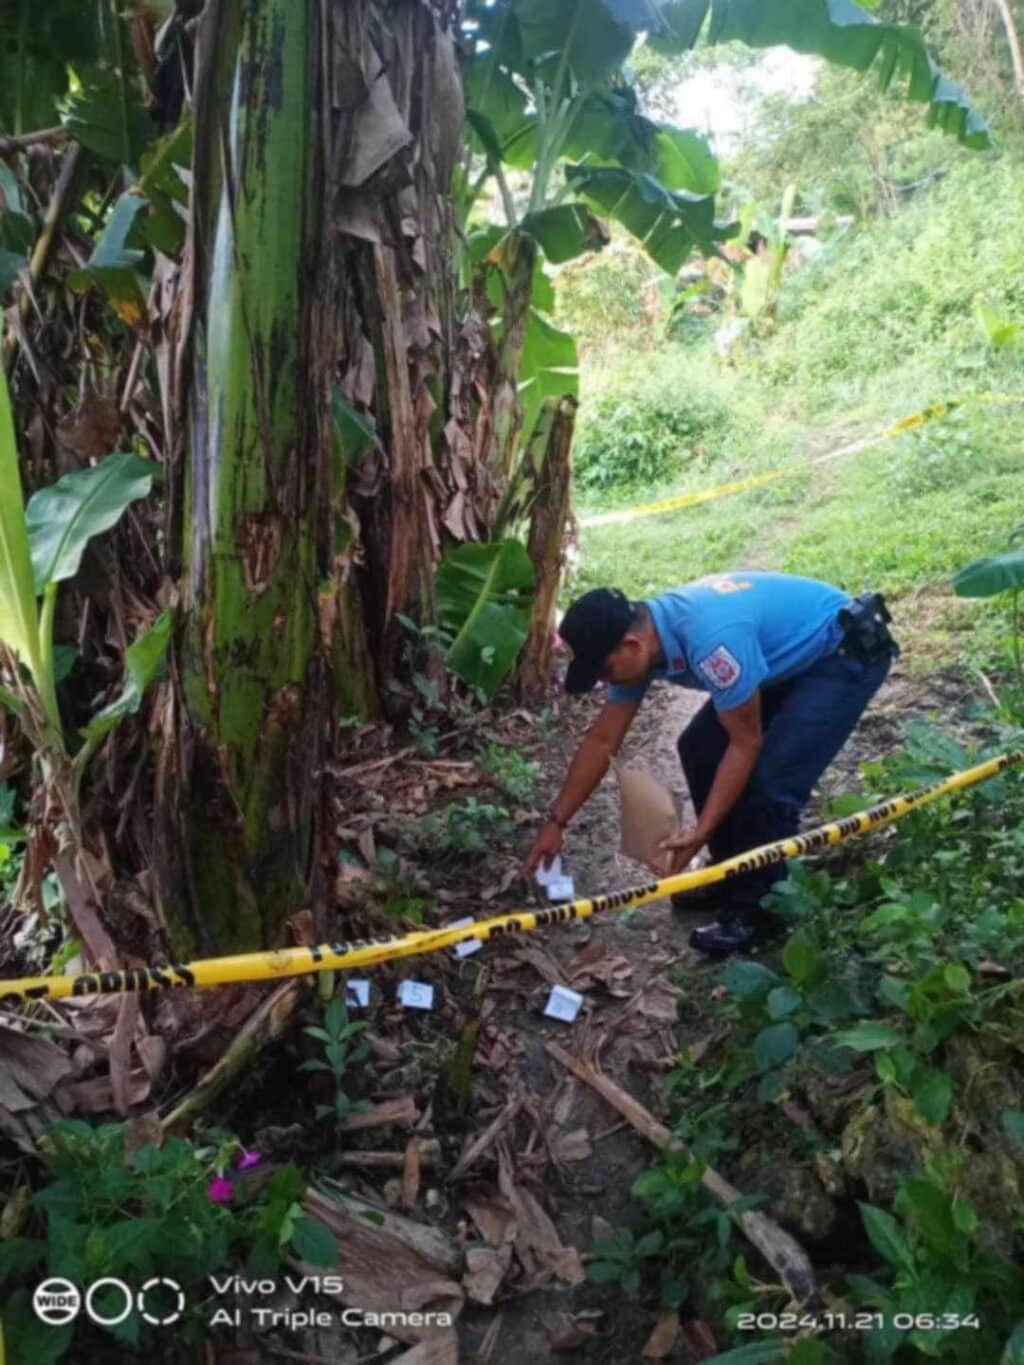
[563,232]
[592,38]
[106,115]
[112,265]
[141,662]
[484,594]
[64,517]
[841,32]
[987,577]
[18,626]
[549,367]
[669,224]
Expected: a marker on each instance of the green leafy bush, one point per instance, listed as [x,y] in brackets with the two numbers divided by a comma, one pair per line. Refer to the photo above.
[646,425]
[180,1211]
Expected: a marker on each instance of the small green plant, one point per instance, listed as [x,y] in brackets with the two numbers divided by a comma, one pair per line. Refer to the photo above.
[398,887]
[946,1292]
[181,1211]
[340,1054]
[467,830]
[514,775]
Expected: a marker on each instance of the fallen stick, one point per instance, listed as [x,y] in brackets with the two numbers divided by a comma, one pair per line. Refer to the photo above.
[782,1252]
[429,1152]
[265,1025]
[400,1110]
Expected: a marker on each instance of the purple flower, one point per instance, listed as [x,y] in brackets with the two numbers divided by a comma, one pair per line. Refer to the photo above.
[221,1190]
[245,1161]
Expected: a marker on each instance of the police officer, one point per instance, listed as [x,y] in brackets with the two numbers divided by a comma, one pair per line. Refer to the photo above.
[790,664]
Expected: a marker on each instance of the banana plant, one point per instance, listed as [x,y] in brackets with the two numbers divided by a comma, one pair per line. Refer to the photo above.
[41,546]
[762,274]
[547,94]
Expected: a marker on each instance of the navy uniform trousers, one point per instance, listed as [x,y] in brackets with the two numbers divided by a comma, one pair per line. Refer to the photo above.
[806,721]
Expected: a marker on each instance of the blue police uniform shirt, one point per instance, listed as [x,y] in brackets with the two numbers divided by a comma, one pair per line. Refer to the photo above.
[729,634]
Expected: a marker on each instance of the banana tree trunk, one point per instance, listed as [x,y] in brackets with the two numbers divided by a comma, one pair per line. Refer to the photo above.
[550,515]
[249,670]
[317,280]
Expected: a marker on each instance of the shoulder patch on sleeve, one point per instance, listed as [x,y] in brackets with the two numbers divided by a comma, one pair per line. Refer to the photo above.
[721,667]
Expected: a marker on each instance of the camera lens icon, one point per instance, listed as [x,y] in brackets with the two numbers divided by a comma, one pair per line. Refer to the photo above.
[56,1301]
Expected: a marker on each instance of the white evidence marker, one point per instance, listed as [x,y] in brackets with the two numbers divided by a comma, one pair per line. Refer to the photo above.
[544,876]
[357,993]
[563,1004]
[468,945]
[416,995]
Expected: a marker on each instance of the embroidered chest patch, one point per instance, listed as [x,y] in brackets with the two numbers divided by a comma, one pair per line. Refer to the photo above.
[721,667]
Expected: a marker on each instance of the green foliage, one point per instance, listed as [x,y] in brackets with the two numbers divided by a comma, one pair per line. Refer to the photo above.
[610,300]
[514,775]
[642,428]
[340,1054]
[881,986]
[994,575]
[483,599]
[142,661]
[102,1212]
[65,516]
[466,832]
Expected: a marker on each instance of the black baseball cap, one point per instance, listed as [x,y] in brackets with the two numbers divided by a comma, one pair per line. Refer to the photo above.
[592,628]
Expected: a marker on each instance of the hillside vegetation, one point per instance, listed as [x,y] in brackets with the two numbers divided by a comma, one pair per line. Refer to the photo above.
[887,319]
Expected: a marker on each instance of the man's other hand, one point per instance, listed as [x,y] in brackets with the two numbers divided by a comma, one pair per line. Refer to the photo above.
[547,844]
[680,851]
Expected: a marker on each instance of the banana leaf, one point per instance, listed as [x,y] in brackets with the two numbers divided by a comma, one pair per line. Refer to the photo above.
[141,662]
[987,577]
[64,517]
[484,593]
[841,32]
[106,115]
[18,625]
[112,264]
[549,367]
[668,224]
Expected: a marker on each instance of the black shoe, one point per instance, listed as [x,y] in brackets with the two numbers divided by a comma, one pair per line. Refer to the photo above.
[732,935]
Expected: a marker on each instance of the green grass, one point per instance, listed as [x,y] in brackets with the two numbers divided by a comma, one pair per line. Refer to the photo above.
[884,328]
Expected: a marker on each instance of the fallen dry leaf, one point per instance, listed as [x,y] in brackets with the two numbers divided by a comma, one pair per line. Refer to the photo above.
[659,1000]
[487,1268]
[663,1338]
[571,1334]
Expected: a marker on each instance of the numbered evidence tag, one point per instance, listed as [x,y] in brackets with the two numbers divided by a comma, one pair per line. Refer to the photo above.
[468,945]
[556,883]
[357,993]
[416,995]
[563,1004]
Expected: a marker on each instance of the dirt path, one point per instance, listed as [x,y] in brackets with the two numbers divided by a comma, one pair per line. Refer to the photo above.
[630,1026]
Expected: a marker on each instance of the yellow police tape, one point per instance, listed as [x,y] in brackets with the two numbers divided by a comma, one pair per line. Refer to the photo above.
[282,962]
[725,490]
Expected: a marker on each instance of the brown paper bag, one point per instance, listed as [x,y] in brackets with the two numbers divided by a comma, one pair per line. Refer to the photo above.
[649,815]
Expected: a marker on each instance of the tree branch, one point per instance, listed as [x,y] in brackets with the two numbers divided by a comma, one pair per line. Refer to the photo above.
[41,137]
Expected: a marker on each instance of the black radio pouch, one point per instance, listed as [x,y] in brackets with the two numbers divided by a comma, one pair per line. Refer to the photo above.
[865,624]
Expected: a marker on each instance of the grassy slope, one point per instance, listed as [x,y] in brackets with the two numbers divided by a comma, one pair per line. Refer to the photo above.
[880,330]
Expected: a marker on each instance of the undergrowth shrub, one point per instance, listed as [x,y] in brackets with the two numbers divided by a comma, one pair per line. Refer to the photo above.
[646,423]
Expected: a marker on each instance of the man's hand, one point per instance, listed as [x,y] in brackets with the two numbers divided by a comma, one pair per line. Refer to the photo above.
[680,850]
[547,844]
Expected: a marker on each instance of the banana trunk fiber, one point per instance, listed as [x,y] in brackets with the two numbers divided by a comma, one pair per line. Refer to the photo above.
[251,681]
[550,515]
